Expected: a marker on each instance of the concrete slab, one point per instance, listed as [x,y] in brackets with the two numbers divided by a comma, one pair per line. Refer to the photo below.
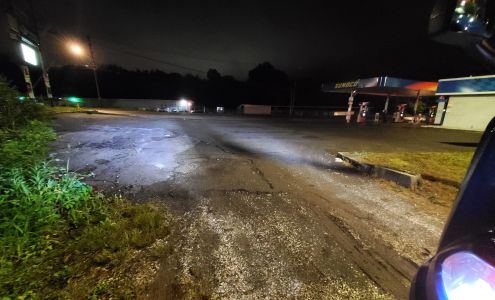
[411,181]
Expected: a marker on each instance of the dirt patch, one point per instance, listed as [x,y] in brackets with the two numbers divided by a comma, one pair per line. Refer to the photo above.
[430,197]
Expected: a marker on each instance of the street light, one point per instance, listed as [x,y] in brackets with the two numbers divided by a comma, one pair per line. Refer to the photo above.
[78,50]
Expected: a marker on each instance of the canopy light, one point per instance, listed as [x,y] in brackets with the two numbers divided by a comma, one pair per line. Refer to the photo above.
[29,54]
[466,276]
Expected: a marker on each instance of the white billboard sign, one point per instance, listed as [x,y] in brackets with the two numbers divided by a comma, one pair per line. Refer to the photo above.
[29,54]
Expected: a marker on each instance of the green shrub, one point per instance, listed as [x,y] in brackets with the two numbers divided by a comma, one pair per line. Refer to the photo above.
[39,206]
[35,201]
[25,146]
[53,229]
[15,113]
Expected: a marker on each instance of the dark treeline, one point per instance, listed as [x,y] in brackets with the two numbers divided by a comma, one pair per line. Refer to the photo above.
[265,85]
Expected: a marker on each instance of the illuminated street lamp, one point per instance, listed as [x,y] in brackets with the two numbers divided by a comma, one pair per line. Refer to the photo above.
[78,50]
[185,105]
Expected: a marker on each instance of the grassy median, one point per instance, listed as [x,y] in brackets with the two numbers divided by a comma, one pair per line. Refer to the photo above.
[450,166]
[66,109]
[443,171]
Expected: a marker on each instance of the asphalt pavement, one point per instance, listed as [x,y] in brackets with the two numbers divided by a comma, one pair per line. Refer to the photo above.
[265,209]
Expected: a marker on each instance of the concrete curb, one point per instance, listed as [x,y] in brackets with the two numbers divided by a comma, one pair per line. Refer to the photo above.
[411,181]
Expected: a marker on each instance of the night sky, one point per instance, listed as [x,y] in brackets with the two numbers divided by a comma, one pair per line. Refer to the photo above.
[324,39]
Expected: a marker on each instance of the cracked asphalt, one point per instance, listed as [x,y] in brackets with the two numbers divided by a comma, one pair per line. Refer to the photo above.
[264,208]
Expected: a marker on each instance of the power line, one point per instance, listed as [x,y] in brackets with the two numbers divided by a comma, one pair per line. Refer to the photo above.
[56,34]
[155,60]
[108,41]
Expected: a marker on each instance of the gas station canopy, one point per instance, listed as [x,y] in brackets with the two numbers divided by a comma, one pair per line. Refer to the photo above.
[383,86]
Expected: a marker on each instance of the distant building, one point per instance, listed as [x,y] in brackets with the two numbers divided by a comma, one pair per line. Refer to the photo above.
[252,109]
[466,103]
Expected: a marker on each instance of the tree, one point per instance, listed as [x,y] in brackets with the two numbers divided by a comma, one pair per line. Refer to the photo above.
[266,74]
[213,75]
[268,85]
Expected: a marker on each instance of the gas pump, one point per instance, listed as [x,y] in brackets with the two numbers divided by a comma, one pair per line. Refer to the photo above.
[363,111]
[399,114]
[431,114]
[377,118]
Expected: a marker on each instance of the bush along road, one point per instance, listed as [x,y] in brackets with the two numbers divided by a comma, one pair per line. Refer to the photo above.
[58,237]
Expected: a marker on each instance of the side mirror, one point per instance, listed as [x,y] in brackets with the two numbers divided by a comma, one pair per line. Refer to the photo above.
[469,24]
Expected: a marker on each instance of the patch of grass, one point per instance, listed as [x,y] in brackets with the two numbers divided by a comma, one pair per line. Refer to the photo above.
[451,166]
[126,226]
[101,255]
[447,168]
[26,146]
[55,232]
[35,201]
[68,109]
[37,205]
[101,289]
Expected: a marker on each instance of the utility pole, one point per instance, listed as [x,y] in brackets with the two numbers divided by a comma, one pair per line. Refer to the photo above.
[348,116]
[292,99]
[93,62]
[44,72]
[385,109]
[418,98]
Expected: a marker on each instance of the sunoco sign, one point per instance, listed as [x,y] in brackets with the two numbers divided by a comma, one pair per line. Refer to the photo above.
[347,84]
